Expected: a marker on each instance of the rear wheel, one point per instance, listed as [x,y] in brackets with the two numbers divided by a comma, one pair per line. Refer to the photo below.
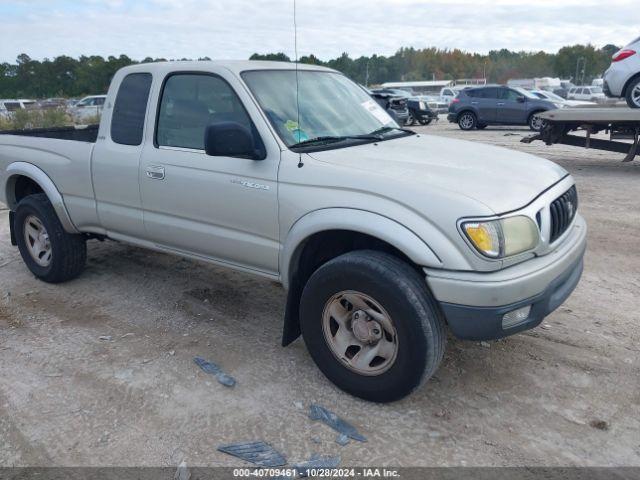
[52,254]
[467,121]
[425,121]
[633,94]
[535,122]
[371,325]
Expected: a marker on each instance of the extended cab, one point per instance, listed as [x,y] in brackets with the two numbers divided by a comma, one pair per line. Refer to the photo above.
[383,238]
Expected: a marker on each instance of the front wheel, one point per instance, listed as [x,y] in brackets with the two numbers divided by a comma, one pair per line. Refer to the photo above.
[535,122]
[467,121]
[425,121]
[371,325]
[633,94]
[52,254]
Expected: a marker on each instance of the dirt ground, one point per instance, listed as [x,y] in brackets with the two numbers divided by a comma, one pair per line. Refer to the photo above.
[566,393]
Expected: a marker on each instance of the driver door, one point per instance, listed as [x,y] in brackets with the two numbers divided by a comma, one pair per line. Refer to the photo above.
[510,110]
[220,208]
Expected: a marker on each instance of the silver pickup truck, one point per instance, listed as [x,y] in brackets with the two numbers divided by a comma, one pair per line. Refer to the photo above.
[384,239]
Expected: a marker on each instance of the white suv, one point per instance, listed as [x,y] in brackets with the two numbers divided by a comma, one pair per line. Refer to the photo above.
[623,77]
[588,94]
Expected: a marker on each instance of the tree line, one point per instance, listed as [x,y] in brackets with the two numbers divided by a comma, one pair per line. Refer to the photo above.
[65,76]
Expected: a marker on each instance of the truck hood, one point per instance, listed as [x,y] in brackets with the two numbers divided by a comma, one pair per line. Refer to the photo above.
[503,180]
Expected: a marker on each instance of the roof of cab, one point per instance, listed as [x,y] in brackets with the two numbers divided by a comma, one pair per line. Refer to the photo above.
[235,66]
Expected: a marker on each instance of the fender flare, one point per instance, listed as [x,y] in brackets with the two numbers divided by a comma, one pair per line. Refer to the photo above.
[38,176]
[361,221]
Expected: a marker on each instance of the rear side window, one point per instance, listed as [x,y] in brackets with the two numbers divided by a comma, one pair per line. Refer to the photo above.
[127,122]
[488,93]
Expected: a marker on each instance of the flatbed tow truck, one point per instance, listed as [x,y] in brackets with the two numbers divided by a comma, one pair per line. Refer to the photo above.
[619,123]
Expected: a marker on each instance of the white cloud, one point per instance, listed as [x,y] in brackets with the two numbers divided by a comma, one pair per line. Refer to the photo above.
[237,28]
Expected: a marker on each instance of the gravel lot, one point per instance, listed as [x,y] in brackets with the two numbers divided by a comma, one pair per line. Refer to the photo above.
[566,393]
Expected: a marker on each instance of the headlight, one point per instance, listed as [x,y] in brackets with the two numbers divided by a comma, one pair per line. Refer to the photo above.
[422,106]
[503,237]
[559,105]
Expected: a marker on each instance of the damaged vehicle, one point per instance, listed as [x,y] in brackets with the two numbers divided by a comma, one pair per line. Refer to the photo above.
[384,239]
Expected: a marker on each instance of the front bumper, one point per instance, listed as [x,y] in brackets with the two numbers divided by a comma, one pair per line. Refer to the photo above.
[474,304]
[425,114]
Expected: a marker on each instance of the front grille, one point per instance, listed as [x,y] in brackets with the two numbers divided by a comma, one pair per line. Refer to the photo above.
[563,210]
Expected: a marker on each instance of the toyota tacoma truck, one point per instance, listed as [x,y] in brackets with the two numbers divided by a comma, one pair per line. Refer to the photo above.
[384,239]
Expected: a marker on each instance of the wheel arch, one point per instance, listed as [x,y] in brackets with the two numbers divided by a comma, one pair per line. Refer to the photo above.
[628,84]
[325,234]
[25,178]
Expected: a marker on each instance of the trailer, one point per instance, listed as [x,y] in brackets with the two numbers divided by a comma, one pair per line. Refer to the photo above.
[619,123]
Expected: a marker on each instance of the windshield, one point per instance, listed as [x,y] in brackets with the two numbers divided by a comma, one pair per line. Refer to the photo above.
[524,92]
[331,105]
[552,96]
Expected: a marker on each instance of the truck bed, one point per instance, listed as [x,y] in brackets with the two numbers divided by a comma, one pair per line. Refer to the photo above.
[85,133]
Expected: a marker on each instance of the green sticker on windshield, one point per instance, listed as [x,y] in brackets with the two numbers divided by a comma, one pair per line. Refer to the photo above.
[293,127]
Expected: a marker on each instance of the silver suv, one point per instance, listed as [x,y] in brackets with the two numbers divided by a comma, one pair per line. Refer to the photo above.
[622,79]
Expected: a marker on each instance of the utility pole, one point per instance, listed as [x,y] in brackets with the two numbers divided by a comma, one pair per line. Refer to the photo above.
[584,65]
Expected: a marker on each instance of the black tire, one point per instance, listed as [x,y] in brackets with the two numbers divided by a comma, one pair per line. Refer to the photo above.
[68,252]
[481,126]
[425,121]
[633,93]
[467,121]
[534,126]
[402,292]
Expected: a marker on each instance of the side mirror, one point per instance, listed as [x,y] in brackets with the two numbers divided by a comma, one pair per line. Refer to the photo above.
[522,99]
[231,139]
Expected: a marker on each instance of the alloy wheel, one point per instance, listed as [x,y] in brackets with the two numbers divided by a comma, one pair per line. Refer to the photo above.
[37,241]
[360,333]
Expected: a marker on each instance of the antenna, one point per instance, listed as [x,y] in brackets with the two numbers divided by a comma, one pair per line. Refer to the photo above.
[295,46]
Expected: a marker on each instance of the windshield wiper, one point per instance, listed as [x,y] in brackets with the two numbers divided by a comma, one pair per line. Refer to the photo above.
[331,139]
[382,130]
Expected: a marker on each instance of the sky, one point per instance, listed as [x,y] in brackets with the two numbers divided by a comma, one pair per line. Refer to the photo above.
[234,29]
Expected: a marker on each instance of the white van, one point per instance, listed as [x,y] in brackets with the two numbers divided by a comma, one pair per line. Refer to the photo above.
[7,107]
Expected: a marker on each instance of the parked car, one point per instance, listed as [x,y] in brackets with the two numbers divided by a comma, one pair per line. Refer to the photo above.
[435,103]
[394,104]
[498,105]
[449,93]
[546,95]
[418,108]
[622,79]
[563,90]
[7,107]
[383,238]
[52,103]
[586,93]
[88,107]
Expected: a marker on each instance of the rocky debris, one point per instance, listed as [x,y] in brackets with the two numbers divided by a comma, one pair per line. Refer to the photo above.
[316,412]
[599,424]
[258,453]
[213,369]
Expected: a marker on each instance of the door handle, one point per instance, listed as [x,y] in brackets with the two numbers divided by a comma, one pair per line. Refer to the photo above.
[155,172]
[501,104]
[474,103]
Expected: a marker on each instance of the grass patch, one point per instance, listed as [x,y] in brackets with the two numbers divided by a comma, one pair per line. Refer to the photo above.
[28,119]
